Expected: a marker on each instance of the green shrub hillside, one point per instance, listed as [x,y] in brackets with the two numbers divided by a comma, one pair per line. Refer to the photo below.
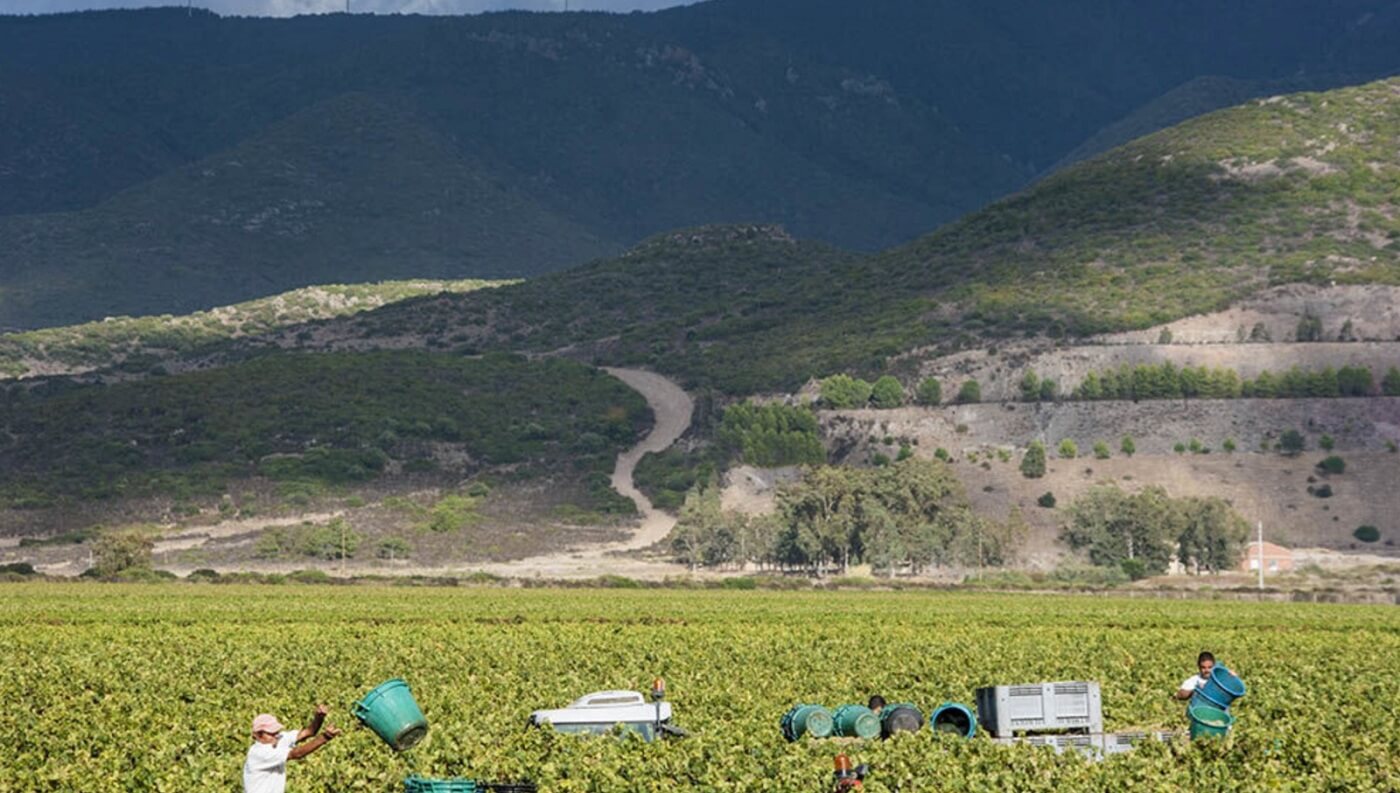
[1189,220]
[319,418]
[137,340]
[1186,220]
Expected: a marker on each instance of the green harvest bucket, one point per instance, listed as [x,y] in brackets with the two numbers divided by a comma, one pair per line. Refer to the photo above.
[856,721]
[392,713]
[1209,722]
[813,720]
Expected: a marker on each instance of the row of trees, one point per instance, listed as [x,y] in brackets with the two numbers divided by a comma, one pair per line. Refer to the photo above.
[1142,532]
[1128,382]
[912,516]
[1309,329]
[904,517]
[1168,381]
[844,392]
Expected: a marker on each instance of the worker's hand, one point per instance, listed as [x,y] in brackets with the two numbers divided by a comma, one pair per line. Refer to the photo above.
[330,731]
[321,711]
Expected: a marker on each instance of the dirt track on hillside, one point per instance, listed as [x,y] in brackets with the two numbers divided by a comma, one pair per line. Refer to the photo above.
[672,408]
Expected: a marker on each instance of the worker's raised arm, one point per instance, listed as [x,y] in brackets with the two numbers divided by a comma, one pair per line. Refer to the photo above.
[315,743]
[1183,693]
[315,726]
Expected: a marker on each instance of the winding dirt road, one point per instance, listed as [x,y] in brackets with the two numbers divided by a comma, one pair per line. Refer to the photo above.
[672,408]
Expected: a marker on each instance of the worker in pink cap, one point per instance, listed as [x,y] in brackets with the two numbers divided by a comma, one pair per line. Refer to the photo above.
[265,770]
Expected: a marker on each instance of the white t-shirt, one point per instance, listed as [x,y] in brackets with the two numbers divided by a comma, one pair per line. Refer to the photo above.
[1193,683]
[265,770]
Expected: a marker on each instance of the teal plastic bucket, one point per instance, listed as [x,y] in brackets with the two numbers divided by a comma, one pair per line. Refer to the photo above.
[1199,699]
[856,721]
[393,714]
[420,784]
[903,717]
[1209,722]
[1222,688]
[950,717]
[813,720]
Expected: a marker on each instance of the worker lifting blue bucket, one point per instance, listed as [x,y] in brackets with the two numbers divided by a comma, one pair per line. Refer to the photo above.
[1221,689]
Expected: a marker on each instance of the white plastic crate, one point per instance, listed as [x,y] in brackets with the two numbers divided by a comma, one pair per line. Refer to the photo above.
[1004,711]
[1088,745]
[1119,742]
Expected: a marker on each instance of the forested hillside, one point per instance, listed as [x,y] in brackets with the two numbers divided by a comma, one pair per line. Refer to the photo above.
[308,422]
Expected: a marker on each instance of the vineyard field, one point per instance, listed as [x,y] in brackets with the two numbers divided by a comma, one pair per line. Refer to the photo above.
[151,688]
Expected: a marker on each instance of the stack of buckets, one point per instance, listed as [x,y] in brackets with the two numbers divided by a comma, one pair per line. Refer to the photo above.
[1209,709]
[847,721]
[858,721]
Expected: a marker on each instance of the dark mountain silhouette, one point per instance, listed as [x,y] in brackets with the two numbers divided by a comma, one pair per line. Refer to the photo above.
[544,140]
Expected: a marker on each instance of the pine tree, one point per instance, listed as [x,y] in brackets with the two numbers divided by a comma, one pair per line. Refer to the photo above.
[1033,463]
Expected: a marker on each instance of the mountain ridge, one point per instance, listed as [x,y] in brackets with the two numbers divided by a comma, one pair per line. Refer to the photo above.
[862,130]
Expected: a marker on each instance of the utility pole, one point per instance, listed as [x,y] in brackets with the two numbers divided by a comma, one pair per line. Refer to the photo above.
[1261,555]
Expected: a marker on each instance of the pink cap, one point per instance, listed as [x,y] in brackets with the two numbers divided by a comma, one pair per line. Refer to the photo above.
[266,722]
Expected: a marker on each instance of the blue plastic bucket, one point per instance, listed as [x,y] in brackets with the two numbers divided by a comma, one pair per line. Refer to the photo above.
[392,713]
[1222,688]
[950,717]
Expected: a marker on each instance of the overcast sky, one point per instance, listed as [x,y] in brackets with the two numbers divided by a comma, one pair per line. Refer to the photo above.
[290,7]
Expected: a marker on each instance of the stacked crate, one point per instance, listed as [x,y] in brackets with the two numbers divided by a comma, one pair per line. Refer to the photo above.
[1065,716]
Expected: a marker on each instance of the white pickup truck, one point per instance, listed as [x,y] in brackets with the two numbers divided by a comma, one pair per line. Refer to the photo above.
[602,711]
